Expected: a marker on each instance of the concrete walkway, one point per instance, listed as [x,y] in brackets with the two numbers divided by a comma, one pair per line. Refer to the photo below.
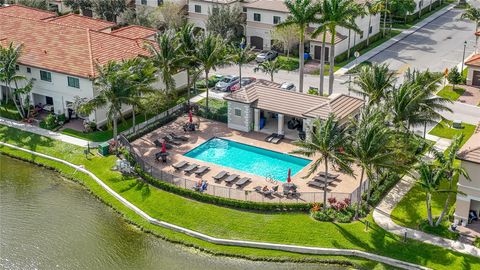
[221,241]
[393,40]
[46,133]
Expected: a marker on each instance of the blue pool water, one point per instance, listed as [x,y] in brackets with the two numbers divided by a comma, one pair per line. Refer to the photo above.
[251,159]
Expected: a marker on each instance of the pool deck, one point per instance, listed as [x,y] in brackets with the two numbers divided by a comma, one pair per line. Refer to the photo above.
[343,187]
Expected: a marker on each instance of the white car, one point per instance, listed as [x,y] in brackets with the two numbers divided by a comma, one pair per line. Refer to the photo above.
[288,86]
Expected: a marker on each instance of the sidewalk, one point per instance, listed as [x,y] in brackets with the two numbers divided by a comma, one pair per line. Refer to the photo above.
[393,40]
[46,133]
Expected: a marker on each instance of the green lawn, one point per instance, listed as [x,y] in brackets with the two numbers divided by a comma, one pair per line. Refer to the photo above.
[105,135]
[289,63]
[288,228]
[9,111]
[213,103]
[444,130]
[450,93]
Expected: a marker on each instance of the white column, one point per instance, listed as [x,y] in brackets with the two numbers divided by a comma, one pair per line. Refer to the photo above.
[256,119]
[281,124]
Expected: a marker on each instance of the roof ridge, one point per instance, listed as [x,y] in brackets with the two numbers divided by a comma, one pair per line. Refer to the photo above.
[133,25]
[31,8]
[90,53]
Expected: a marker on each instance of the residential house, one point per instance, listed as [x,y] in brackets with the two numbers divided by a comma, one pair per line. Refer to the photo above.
[61,54]
[468,196]
[157,3]
[473,75]
[198,10]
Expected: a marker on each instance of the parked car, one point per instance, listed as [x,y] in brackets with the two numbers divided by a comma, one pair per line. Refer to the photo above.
[245,81]
[226,83]
[266,56]
[288,86]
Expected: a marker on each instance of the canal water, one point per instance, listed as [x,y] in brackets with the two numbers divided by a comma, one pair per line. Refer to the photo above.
[47,222]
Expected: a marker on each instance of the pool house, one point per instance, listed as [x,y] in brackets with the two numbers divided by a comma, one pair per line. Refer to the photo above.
[265,107]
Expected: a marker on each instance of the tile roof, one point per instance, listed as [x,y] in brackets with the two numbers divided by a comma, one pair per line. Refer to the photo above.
[470,151]
[27,12]
[268,96]
[473,60]
[65,49]
[82,22]
[328,36]
[135,32]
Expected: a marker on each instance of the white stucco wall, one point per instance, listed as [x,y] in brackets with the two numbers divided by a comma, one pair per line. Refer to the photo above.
[154,3]
[243,122]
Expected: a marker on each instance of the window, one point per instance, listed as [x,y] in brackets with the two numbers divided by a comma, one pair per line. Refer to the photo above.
[361,34]
[45,76]
[17,67]
[29,70]
[73,82]
[238,112]
[257,17]
[159,2]
[244,9]
[370,29]
[276,20]
[198,9]
[144,2]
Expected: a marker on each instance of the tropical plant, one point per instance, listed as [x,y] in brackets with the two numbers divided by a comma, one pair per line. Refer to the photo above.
[454,77]
[375,82]
[302,13]
[226,21]
[188,46]
[168,16]
[269,67]
[109,9]
[167,57]
[373,8]
[429,180]
[78,5]
[335,13]
[368,147]
[452,168]
[357,11]
[241,54]
[141,15]
[403,104]
[401,8]
[327,140]
[285,37]
[38,4]
[473,14]
[211,53]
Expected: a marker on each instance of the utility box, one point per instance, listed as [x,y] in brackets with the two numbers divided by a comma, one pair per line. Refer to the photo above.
[104,149]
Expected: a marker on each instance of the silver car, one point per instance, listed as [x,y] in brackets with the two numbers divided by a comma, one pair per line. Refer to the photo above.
[226,83]
[288,86]
[266,56]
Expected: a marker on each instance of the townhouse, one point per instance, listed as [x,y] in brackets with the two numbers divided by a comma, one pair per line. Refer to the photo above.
[60,54]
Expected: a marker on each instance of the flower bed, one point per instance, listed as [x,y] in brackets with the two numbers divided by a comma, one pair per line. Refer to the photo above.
[339,211]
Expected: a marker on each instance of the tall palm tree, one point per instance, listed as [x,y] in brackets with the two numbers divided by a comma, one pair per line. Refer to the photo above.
[269,67]
[211,53]
[429,180]
[368,147]
[9,56]
[403,104]
[327,140]
[452,169]
[112,82]
[241,54]
[188,46]
[335,13]
[167,57]
[473,14]
[374,82]
[301,13]
[373,8]
[357,12]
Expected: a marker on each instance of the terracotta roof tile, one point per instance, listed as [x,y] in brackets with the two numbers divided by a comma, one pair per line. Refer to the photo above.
[135,32]
[27,12]
[470,151]
[82,22]
[473,60]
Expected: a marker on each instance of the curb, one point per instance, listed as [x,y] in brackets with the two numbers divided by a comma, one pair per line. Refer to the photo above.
[221,241]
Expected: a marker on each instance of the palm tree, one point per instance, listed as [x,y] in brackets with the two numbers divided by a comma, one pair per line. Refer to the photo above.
[301,13]
[368,147]
[452,169]
[167,57]
[374,82]
[269,67]
[241,54]
[373,8]
[403,104]
[473,14]
[327,140]
[429,180]
[188,42]
[358,11]
[112,82]
[8,72]
[211,53]
[335,13]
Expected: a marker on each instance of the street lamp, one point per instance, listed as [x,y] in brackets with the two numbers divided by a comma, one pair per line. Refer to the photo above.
[463,59]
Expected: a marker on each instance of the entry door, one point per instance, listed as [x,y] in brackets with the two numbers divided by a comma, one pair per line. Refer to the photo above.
[256,42]
[476,78]
[318,53]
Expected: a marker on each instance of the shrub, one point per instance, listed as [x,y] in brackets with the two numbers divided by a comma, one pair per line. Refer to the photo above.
[383,186]
[340,211]
[323,215]
[344,216]
[476,242]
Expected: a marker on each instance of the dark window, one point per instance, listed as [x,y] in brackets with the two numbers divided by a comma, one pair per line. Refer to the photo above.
[215,10]
[29,70]
[17,67]
[257,17]
[144,2]
[370,29]
[73,82]
[159,2]
[244,9]
[198,9]
[276,20]
[45,76]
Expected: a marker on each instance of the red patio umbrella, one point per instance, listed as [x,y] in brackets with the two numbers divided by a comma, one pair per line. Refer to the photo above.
[190,116]
[164,148]
[289,180]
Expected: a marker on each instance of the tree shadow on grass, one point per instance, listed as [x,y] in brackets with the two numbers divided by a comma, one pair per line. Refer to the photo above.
[24,139]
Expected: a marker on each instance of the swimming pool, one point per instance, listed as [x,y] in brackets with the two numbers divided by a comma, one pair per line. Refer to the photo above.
[247,158]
